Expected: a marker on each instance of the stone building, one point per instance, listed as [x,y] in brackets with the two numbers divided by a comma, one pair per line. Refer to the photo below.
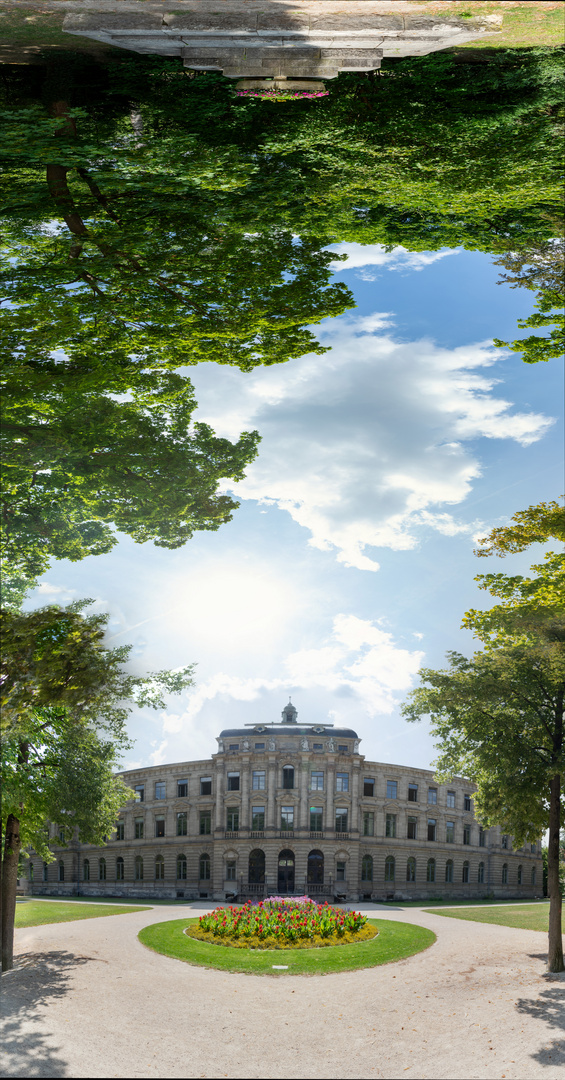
[290,808]
[277,38]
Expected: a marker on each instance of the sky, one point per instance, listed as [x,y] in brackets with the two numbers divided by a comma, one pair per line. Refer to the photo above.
[349,564]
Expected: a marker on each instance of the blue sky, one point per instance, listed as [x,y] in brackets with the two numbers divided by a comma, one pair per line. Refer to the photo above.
[350,561]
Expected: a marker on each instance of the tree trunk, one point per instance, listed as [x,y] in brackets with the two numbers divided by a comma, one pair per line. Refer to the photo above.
[10,861]
[555,951]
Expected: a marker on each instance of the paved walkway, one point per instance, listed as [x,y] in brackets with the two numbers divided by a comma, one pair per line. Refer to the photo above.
[90,1001]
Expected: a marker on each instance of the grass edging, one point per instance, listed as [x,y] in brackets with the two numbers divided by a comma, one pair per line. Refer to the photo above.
[41,914]
[521,917]
[395,941]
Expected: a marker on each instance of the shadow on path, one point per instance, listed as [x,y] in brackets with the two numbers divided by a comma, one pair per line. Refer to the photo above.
[34,982]
[550,1008]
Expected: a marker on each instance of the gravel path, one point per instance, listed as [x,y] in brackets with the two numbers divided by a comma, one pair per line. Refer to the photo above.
[88,1000]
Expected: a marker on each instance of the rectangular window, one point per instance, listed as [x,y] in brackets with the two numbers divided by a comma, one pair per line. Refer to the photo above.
[390,827]
[505,841]
[341,819]
[431,828]
[467,802]
[259,745]
[61,836]
[182,824]
[412,793]
[182,789]
[342,781]
[450,832]
[232,819]
[482,836]
[120,830]
[139,828]
[340,871]
[258,818]
[391,789]
[368,823]
[451,799]
[258,781]
[368,786]
[140,792]
[205,785]
[159,826]
[432,795]
[316,819]
[233,781]
[316,781]
[318,746]
[342,748]
[412,828]
[234,746]
[287,818]
[230,870]
[205,822]
[45,872]
[533,849]
[119,869]
[466,834]
[160,790]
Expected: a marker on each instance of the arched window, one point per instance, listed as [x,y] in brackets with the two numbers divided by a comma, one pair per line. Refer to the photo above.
[431,870]
[411,869]
[256,875]
[288,777]
[181,867]
[533,875]
[159,868]
[61,871]
[316,869]
[102,869]
[465,873]
[138,868]
[389,868]
[367,868]
[119,868]
[519,875]
[505,874]
[449,870]
[481,873]
[204,868]
[86,870]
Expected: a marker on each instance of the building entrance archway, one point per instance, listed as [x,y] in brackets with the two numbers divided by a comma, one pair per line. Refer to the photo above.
[286,872]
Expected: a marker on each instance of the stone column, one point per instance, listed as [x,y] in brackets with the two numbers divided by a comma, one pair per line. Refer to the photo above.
[244,810]
[329,824]
[271,791]
[219,794]
[303,788]
[355,812]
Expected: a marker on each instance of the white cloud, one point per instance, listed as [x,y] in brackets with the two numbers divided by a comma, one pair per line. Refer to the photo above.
[359,661]
[365,446]
[159,756]
[360,256]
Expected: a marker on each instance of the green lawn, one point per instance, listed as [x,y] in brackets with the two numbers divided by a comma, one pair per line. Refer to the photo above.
[395,941]
[523,917]
[39,912]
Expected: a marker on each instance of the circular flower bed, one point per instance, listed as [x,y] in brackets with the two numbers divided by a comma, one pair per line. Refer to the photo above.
[282,923]
[281,95]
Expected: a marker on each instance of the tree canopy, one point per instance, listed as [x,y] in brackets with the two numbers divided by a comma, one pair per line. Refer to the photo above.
[499,716]
[65,701]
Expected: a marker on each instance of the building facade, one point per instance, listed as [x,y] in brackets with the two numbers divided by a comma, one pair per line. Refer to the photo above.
[285,809]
